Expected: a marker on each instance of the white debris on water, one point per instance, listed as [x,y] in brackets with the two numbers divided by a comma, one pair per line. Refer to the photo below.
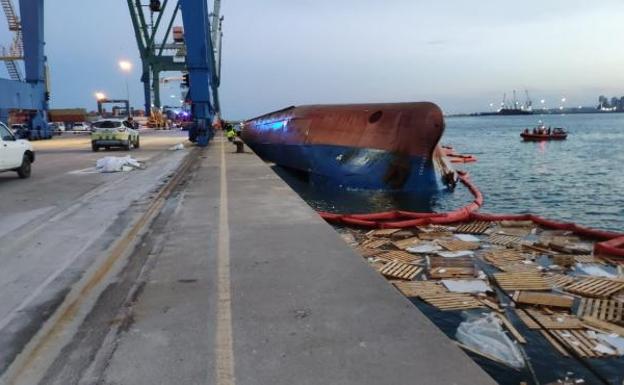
[117,164]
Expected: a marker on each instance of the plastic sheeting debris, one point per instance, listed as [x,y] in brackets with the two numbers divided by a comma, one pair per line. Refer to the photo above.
[467,238]
[594,270]
[614,340]
[485,334]
[455,254]
[466,285]
[117,164]
[424,248]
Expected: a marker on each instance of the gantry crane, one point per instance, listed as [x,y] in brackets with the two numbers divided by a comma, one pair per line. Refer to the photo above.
[194,55]
[27,93]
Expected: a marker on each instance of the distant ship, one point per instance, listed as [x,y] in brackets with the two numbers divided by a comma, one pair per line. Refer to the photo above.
[513,107]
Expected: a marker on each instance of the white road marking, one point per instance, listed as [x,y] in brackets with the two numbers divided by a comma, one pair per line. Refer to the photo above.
[223,350]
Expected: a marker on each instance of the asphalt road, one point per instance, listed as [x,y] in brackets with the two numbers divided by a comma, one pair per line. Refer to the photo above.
[63,171]
[58,224]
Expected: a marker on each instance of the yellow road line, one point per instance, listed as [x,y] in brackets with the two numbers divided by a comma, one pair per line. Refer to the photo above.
[223,350]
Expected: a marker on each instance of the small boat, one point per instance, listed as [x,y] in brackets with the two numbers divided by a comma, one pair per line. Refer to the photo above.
[541,133]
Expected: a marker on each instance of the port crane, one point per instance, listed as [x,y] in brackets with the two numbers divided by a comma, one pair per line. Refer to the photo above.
[195,56]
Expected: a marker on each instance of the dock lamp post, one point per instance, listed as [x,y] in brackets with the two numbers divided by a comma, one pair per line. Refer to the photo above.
[126,67]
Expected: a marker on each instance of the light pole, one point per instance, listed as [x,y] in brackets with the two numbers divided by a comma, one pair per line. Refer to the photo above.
[126,67]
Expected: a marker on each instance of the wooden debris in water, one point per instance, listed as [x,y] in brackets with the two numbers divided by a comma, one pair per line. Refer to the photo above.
[587,259]
[400,270]
[579,341]
[382,232]
[402,235]
[602,309]
[595,287]
[367,253]
[536,319]
[458,245]
[555,343]
[522,281]
[608,327]
[473,228]
[433,236]
[451,262]
[564,260]
[452,272]
[403,244]
[512,329]
[513,231]
[504,240]
[418,288]
[451,301]
[559,280]
[401,256]
[375,243]
[544,299]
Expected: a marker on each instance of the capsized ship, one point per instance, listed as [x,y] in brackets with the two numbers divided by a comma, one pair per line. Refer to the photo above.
[390,146]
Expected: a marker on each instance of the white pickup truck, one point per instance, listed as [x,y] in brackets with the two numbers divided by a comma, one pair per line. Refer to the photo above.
[15,154]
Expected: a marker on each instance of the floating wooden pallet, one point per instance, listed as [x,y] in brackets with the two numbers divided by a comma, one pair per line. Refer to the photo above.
[504,240]
[457,245]
[555,343]
[400,270]
[434,229]
[401,256]
[451,262]
[545,299]
[535,319]
[595,287]
[452,301]
[519,268]
[602,309]
[513,231]
[579,341]
[559,280]
[522,281]
[405,243]
[375,243]
[609,327]
[418,288]
[452,272]
[587,259]
[402,234]
[382,232]
[367,253]
[434,235]
[473,228]
[505,256]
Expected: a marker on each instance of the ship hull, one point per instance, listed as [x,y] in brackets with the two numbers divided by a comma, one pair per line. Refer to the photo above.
[389,147]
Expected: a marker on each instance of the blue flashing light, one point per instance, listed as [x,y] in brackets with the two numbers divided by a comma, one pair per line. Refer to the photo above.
[273,125]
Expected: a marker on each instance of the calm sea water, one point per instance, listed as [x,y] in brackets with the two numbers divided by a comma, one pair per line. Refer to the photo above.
[580,179]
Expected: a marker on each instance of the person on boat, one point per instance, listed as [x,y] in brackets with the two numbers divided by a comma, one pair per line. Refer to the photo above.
[549,130]
[526,131]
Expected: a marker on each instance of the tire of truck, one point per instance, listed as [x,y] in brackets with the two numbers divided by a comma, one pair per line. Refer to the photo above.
[24,170]
[137,143]
[94,147]
[127,145]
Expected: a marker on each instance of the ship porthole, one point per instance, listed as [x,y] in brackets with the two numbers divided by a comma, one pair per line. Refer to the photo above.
[375,116]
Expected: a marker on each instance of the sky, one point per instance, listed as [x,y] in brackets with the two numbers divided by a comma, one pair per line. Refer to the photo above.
[461,55]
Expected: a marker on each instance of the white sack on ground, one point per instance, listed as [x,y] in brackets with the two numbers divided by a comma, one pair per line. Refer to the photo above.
[117,164]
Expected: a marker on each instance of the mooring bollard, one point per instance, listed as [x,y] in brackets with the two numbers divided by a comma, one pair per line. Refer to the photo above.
[240,146]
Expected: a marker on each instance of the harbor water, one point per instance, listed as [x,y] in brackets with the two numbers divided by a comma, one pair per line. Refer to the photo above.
[579,180]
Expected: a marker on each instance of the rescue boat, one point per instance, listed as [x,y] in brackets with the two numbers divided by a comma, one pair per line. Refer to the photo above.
[540,134]
[391,147]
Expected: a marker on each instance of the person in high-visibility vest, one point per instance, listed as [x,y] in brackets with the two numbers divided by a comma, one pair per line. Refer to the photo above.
[231,134]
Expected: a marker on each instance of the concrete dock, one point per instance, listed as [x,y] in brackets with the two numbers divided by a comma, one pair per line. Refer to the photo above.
[229,278]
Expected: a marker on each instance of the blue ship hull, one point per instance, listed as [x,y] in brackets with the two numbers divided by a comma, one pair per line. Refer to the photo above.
[355,168]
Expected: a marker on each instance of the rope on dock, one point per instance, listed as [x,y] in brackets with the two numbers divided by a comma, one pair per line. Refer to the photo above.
[612,243]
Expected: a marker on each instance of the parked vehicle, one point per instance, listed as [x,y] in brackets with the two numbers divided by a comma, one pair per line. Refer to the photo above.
[57,127]
[15,154]
[109,133]
[20,131]
[81,126]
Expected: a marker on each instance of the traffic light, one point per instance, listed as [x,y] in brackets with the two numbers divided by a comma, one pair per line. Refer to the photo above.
[185,80]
